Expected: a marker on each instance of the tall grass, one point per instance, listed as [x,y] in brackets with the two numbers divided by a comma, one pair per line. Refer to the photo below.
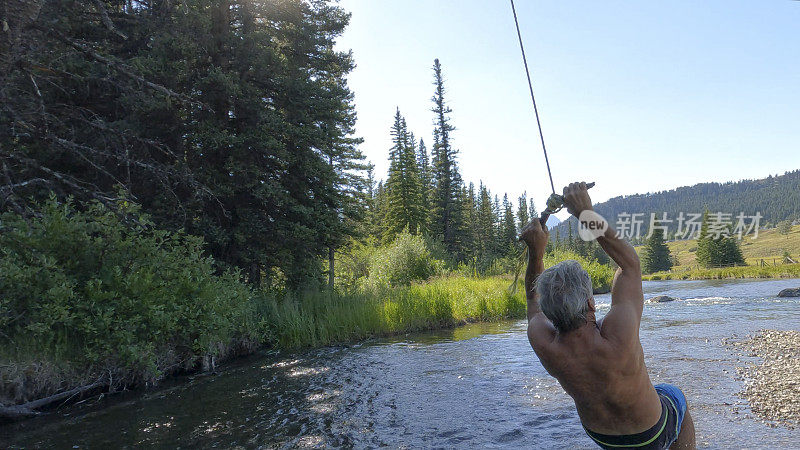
[782,271]
[323,318]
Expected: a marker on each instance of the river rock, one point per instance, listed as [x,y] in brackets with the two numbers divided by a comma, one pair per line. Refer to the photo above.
[662,299]
[790,292]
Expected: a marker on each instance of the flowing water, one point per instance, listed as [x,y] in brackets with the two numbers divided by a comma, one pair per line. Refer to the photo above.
[473,386]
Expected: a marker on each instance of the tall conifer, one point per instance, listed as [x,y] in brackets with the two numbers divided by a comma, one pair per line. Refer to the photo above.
[656,255]
[446,220]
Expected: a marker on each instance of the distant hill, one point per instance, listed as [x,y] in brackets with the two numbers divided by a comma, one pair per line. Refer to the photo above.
[553,222]
[775,197]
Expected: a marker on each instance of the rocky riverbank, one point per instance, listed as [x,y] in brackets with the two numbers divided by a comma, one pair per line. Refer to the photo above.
[772,385]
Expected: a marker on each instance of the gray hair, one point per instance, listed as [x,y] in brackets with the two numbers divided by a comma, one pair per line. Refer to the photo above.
[564,290]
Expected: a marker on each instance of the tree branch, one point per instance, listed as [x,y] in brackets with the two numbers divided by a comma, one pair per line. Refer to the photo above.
[98,4]
[117,66]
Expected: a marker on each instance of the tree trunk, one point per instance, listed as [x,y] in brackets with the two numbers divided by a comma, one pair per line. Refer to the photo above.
[29,409]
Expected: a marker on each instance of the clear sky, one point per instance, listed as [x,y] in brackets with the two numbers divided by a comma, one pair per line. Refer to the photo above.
[636,96]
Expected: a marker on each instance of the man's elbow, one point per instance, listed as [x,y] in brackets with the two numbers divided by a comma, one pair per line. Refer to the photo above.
[631,262]
[531,332]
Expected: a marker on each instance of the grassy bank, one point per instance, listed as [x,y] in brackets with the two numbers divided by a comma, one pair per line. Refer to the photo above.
[124,356]
[780,271]
[326,318]
[137,347]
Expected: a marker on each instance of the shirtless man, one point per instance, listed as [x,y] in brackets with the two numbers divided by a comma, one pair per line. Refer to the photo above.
[600,363]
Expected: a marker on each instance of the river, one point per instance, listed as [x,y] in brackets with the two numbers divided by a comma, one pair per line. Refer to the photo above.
[474,386]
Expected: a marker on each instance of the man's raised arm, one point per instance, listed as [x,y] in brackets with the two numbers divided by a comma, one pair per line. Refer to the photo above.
[626,291]
[535,237]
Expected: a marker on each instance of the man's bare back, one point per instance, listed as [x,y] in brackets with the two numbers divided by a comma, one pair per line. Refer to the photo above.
[610,386]
[600,364]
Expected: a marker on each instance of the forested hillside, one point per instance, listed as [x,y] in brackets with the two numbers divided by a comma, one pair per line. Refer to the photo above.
[776,198]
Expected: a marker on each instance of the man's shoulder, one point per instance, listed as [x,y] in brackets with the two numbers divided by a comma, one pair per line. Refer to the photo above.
[541,331]
[620,326]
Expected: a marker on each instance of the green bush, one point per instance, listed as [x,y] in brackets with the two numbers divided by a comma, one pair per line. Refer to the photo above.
[505,265]
[352,265]
[87,288]
[405,260]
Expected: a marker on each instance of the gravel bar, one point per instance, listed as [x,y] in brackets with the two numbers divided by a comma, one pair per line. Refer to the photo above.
[772,385]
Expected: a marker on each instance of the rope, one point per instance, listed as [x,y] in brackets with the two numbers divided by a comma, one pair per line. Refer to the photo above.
[533,99]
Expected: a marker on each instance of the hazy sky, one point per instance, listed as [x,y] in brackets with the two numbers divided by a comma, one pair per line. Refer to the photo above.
[636,96]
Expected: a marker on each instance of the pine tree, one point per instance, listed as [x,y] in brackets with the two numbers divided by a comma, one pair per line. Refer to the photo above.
[784,227]
[532,210]
[497,213]
[485,228]
[466,231]
[731,252]
[418,211]
[446,221]
[706,247]
[471,211]
[461,230]
[371,222]
[423,163]
[404,189]
[570,237]
[719,251]
[523,215]
[656,256]
[381,207]
[509,228]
